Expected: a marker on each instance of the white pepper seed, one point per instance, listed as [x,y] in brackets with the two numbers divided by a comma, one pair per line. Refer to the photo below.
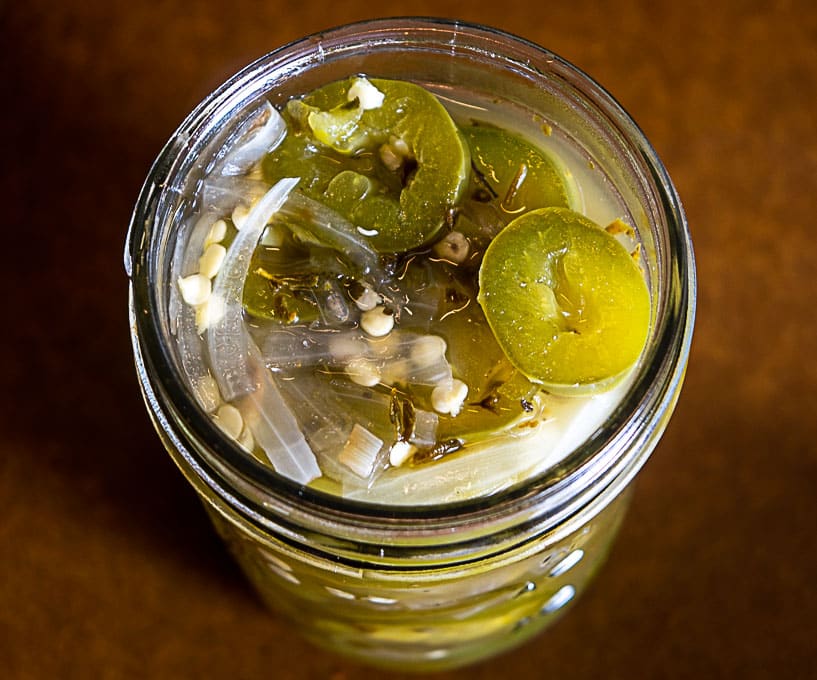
[400,452]
[377,322]
[208,313]
[367,300]
[389,158]
[195,289]
[210,262]
[453,247]
[363,372]
[207,394]
[427,349]
[449,397]
[246,440]
[239,215]
[368,96]
[216,234]
[229,419]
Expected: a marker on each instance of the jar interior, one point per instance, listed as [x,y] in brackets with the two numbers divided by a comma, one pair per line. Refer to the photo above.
[447,59]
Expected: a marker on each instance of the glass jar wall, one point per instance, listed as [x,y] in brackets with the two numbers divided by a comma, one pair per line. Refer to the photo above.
[433,585]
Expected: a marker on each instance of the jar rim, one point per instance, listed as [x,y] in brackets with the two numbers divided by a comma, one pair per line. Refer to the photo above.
[605,461]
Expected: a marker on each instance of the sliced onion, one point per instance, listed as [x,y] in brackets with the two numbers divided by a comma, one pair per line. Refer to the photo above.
[411,362]
[294,347]
[480,470]
[262,131]
[301,347]
[315,223]
[497,463]
[188,249]
[323,421]
[328,410]
[275,428]
[228,340]
[425,428]
[237,363]
[223,194]
[191,351]
[360,452]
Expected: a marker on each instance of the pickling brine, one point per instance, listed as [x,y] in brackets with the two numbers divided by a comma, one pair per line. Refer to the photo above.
[411,304]
[407,296]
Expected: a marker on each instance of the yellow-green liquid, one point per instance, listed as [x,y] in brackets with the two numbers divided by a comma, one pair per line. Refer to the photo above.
[424,618]
[423,615]
[503,439]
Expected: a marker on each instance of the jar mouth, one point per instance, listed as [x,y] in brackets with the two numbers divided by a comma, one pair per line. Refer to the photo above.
[605,461]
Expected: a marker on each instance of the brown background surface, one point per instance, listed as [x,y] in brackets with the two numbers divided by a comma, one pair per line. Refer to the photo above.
[108,568]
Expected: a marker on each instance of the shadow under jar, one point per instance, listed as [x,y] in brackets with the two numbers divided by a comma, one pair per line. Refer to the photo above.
[420,585]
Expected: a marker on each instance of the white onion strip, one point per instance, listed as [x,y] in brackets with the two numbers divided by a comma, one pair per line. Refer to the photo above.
[314,222]
[236,361]
[263,130]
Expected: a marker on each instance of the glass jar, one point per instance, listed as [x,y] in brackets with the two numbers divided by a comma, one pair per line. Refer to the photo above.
[440,585]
